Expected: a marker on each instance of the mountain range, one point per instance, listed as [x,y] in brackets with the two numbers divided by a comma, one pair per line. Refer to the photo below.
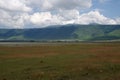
[64,32]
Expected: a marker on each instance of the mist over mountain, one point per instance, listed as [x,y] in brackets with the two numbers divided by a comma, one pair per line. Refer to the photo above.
[64,32]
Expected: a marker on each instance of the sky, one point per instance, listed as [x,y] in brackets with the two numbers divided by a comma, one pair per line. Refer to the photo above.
[43,13]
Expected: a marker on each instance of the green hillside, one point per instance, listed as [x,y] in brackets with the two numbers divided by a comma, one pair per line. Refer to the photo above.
[88,32]
[64,32]
[115,33]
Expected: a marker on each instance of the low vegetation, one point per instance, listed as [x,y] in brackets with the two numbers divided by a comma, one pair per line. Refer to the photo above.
[73,61]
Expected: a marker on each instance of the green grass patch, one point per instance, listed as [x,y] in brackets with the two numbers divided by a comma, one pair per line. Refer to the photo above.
[88,62]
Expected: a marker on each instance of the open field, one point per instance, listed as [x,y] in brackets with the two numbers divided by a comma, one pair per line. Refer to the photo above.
[71,61]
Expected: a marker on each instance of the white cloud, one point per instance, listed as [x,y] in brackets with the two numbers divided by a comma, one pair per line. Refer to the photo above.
[13,21]
[118,20]
[44,19]
[73,17]
[14,13]
[14,5]
[41,13]
[69,14]
[60,4]
[73,4]
[95,17]
[40,18]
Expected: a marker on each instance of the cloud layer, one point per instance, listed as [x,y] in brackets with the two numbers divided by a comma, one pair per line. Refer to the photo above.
[42,13]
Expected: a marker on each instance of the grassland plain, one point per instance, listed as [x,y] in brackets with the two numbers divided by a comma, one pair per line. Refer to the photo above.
[73,61]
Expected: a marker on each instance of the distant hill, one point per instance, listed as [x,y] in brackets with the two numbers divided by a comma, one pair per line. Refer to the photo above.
[64,32]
